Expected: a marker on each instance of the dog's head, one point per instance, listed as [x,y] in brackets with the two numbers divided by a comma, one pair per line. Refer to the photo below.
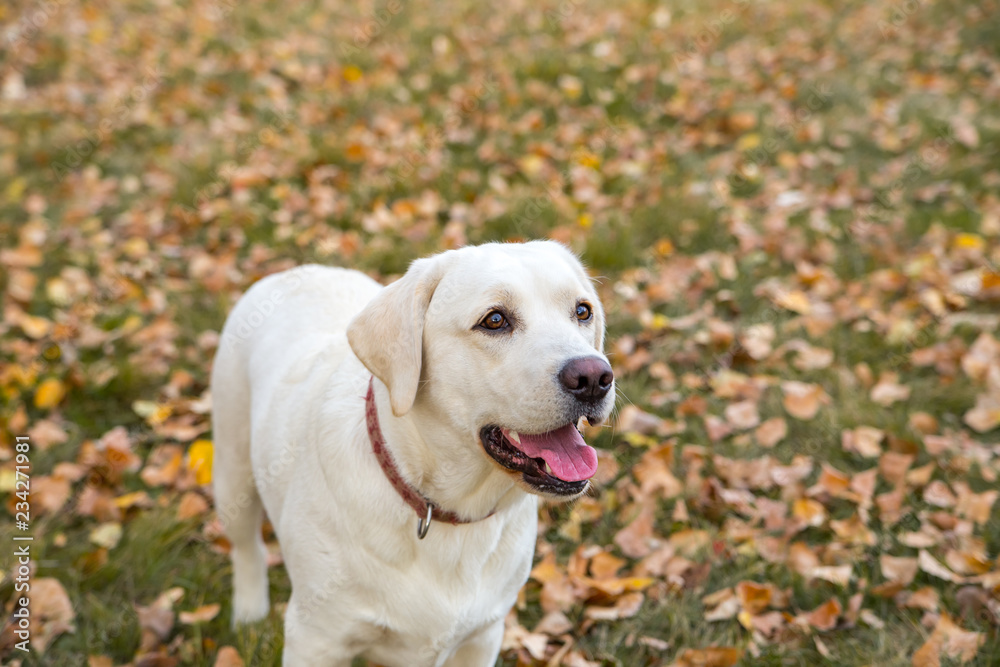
[505,342]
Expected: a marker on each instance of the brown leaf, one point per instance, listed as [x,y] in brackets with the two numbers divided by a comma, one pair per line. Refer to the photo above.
[51,610]
[888,390]
[929,655]
[976,507]
[933,567]
[192,504]
[635,539]
[557,591]
[938,494]
[803,400]
[654,475]
[824,617]
[626,606]
[742,415]
[809,512]
[554,623]
[864,440]
[709,657]
[228,656]
[985,416]
[898,569]
[200,615]
[771,432]
[49,494]
[893,466]
[605,565]
[802,559]
[753,597]
[633,420]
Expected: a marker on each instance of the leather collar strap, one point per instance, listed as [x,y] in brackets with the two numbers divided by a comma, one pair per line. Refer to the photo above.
[424,508]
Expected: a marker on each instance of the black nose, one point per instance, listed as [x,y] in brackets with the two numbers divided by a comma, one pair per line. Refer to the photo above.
[587,378]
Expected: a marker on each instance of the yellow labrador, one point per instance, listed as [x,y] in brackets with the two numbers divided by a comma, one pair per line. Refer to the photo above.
[399,439]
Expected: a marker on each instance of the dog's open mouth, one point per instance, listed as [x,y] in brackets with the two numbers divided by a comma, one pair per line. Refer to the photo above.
[558,462]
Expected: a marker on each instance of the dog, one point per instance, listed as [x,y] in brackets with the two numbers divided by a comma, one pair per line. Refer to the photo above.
[399,439]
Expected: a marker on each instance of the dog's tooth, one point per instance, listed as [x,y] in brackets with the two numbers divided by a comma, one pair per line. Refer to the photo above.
[548,468]
[514,436]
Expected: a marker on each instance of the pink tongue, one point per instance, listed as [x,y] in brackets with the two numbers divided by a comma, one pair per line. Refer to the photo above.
[570,458]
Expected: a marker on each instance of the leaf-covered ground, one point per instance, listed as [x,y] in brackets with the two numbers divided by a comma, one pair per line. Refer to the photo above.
[794,211]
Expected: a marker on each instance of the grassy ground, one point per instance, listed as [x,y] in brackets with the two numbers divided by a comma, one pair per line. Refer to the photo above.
[805,178]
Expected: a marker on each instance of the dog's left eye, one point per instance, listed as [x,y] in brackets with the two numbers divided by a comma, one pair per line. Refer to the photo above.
[494,321]
[584,311]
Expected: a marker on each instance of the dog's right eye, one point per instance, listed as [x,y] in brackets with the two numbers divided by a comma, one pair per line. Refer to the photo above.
[494,321]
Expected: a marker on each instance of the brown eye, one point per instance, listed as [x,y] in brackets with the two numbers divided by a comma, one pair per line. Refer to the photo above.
[494,321]
[583,311]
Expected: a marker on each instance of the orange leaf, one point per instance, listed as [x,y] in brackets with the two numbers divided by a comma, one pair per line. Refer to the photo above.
[49,394]
[709,657]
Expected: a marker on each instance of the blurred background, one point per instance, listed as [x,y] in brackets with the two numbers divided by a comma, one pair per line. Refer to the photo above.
[793,213]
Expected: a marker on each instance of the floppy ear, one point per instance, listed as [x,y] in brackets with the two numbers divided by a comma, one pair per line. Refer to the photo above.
[387,336]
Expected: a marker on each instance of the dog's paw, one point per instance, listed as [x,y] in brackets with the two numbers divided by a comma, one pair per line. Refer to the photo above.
[250,608]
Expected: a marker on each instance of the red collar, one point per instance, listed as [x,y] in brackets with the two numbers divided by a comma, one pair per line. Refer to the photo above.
[425,509]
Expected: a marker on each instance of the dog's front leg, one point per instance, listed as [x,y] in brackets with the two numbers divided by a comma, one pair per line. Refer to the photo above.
[309,645]
[480,649]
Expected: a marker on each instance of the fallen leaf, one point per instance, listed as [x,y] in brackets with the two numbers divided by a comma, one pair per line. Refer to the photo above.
[200,615]
[888,390]
[933,567]
[52,612]
[742,415]
[771,432]
[709,657]
[802,400]
[200,460]
[49,394]
[824,617]
[192,504]
[107,535]
[228,656]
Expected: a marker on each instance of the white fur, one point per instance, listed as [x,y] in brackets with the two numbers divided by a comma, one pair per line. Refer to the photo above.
[290,438]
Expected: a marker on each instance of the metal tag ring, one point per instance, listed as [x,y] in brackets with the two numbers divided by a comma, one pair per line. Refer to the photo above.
[424,524]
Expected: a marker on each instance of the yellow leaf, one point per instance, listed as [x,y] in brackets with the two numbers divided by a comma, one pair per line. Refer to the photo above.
[352,73]
[585,220]
[200,460]
[589,160]
[664,247]
[15,189]
[972,241]
[49,394]
[809,511]
[748,141]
